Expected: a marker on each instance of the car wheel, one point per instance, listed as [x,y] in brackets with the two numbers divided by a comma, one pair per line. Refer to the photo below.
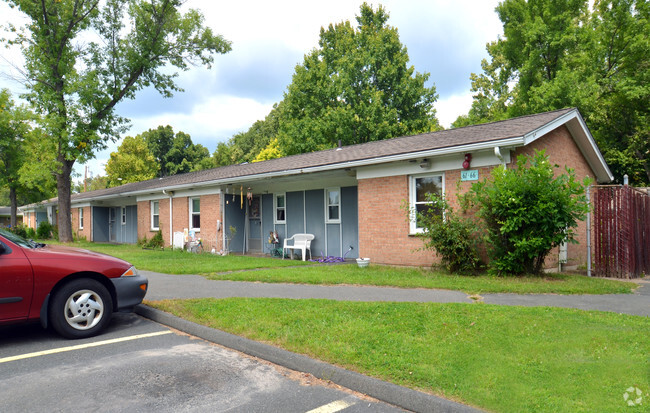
[80,309]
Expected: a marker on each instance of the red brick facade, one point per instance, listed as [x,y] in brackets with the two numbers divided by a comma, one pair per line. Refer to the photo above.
[86,231]
[384,229]
[210,213]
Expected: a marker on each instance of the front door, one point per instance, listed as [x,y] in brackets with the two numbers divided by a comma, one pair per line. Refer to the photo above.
[255,225]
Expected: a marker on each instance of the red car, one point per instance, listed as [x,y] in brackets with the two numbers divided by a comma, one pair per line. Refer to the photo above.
[75,291]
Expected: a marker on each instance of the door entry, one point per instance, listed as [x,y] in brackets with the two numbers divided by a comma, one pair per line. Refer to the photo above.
[255,225]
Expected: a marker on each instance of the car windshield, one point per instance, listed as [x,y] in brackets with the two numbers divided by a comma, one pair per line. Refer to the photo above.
[18,240]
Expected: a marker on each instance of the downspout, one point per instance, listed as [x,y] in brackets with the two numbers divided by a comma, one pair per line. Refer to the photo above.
[589,232]
[171,232]
[497,153]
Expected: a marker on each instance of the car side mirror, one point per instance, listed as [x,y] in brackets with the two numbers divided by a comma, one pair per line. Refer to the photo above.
[2,248]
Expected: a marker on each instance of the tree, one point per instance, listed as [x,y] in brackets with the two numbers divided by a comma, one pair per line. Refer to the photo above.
[175,153]
[355,87]
[133,162]
[559,54]
[247,146]
[82,59]
[528,211]
[14,128]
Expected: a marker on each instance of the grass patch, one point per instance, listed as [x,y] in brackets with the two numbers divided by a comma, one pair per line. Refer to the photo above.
[273,270]
[494,357]
[170,261]
[380,275]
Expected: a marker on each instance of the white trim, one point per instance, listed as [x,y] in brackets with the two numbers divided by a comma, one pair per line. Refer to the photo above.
[151,215]
[329,220]
[192,213]
[413,229]
[123,215]
[80,211]
[276,221]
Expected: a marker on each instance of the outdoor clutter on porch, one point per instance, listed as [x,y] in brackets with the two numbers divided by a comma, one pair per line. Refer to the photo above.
[300,242]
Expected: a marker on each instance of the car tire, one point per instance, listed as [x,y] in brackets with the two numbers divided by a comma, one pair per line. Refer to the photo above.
[80,309]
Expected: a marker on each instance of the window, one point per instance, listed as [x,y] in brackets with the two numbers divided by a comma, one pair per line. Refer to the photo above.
[155,215]
[279,201]
[333,200]
[420,186]
[195,214]
[81,218]
[123,215]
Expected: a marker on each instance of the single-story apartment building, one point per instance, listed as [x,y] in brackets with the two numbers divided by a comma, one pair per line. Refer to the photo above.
[351,198]
[5,216]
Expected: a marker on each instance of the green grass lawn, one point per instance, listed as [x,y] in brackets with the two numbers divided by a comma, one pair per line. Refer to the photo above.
[273,270]
[505,359]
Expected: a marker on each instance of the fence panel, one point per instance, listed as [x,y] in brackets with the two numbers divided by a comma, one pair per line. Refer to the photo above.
[621,232]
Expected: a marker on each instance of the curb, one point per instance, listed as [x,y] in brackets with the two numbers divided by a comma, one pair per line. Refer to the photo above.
[388,392]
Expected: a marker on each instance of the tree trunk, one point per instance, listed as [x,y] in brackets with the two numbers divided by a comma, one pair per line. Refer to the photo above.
[64,190]
[14,206]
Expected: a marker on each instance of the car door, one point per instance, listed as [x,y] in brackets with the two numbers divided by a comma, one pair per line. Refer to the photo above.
[16,282]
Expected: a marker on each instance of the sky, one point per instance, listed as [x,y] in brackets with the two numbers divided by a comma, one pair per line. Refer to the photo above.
[445,38]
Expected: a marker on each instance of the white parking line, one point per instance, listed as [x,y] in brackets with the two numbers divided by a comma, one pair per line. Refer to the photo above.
[332,407]
[82,346]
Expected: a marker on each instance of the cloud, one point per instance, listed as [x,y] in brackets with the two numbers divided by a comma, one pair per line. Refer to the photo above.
[450,107]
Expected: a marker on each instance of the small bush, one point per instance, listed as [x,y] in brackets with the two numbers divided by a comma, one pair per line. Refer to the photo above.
[155,242]
[528,211]
[30,233]
[450,236]
[44,230]
[19,230]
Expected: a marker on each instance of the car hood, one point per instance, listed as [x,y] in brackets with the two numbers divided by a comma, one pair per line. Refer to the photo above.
[71,254]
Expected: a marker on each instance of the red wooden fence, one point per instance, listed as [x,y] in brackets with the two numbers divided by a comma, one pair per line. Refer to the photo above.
[621,232]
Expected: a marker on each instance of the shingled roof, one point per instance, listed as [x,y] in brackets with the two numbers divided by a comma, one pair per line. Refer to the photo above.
[365,154]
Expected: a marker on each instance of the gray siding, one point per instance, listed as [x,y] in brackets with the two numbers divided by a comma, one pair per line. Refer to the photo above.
[315,207]
[100,224]
[350,221]
[235,217]
[295,213]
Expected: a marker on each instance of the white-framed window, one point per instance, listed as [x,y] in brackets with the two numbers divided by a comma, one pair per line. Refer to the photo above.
[280,208]
[123,215]
[195,214]
[419,187]
[155,215]
[81,218]
[333,205]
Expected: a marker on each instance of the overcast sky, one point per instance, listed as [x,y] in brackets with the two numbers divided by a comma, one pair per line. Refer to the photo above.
[445,38]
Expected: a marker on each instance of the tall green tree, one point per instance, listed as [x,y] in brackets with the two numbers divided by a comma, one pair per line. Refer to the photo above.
[133,162]
[82,57]
[246,146]
[557,54]
[355,87]
[175,152]
[14,127]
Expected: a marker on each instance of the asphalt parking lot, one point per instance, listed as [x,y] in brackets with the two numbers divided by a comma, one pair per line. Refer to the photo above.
[138,365]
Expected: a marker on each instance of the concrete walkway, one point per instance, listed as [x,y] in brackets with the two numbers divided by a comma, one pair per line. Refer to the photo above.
[165,286]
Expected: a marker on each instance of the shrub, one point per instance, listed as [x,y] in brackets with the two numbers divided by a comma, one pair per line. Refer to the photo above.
[19,230]
[44,230]
[528,211]
[30,233]
[155,242]
[450,236]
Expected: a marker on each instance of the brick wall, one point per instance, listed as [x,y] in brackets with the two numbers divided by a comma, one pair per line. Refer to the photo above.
[86,232]
[384,230]
[563,151]
[144,219]
[210,213]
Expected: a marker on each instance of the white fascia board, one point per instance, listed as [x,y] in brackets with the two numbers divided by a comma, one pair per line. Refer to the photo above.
[80,204]
[582,137]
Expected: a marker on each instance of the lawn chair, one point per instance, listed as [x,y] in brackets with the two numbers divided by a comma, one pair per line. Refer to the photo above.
[300,242]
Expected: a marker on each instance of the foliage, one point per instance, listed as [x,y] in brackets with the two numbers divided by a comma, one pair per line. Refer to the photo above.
[45,230]
[82,58]
[557,54]
[174,153]
[272,151]
[528,211]
[247,146]
[133,162]
[92,184]
[20,230]
[355,87]
[14,129]
[451,236]
[156,242]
